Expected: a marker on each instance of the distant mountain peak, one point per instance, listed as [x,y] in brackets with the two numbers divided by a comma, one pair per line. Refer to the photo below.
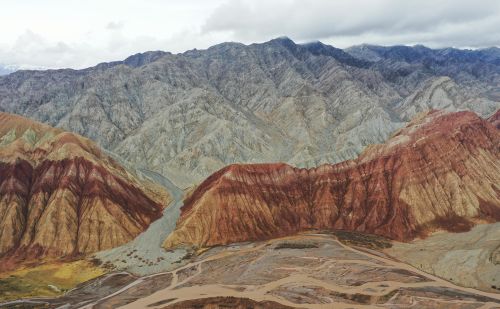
[283,40]
[141,59]
[319,48]
[6,69]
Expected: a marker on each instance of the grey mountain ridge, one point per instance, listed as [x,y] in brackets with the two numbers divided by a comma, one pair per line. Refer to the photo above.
[187,115]
[4,70]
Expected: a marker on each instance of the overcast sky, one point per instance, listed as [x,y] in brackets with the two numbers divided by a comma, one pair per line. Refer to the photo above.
[77,34]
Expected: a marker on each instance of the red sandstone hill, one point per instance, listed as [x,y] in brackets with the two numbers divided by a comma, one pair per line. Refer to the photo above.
[61,196]
[442,171]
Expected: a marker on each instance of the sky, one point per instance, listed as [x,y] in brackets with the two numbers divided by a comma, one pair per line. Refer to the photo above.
[82,33]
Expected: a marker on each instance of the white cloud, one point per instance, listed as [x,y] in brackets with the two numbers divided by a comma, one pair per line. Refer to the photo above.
[437,23]
[115,25]
[62,33]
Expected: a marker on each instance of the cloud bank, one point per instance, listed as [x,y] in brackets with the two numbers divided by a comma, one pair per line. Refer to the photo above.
[59,34]
[436,23]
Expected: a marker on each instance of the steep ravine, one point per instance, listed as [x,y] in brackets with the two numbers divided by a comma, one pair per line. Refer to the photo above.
[148,256]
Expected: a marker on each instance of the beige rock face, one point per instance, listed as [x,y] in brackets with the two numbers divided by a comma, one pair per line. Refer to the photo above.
[60,196]
[441,171]
[469,259]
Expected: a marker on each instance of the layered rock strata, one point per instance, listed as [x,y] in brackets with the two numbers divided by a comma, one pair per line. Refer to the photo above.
[60,195]
[442,171]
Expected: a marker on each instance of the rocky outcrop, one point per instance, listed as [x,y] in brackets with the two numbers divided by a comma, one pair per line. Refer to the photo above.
[441,171]
[188,115]
[61,196]
[495,119]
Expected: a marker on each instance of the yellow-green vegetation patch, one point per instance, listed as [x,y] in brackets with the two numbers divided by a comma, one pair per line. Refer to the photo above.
[296,245]
[352,238]
[46,280]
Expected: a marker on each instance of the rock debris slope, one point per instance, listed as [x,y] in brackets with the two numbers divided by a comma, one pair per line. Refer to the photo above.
[60,196]
[442,171]
[188,115]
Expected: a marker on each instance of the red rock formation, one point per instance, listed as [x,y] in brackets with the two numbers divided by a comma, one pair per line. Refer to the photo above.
[441,171]
[61,196]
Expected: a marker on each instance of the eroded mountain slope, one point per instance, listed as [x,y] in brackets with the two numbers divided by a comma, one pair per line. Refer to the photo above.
[61,196]
[441,171]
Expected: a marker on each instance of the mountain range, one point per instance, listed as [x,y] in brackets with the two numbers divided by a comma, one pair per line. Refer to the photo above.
[187,115]
[265,175]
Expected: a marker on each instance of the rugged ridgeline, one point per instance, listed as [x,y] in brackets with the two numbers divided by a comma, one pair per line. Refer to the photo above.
[190,114]
[442,171]
[61,196]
